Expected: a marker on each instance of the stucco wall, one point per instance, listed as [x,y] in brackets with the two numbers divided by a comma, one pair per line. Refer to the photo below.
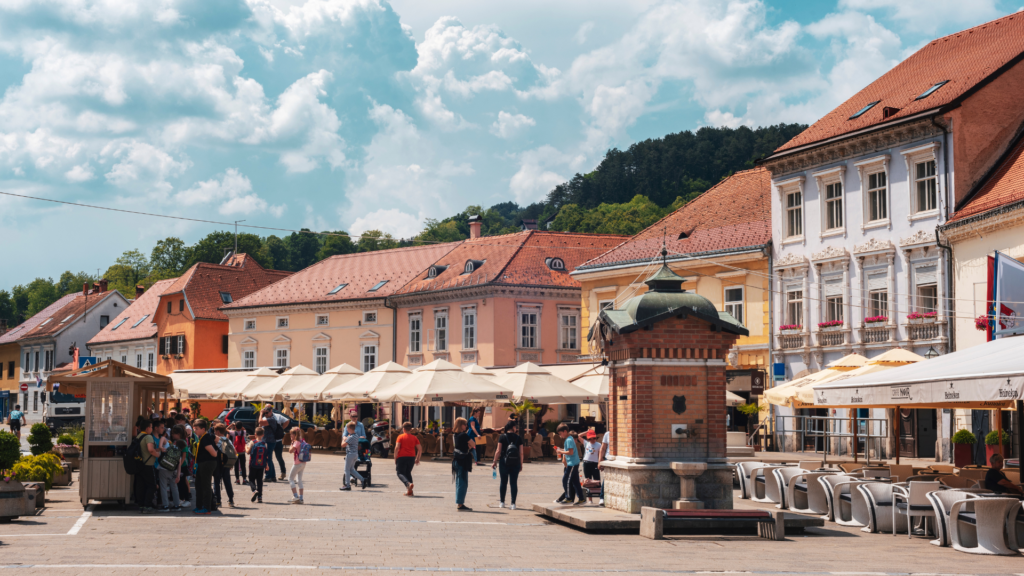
[970,276]
[10,353]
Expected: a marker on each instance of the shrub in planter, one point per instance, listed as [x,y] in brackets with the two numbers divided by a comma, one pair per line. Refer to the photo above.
[992,445]
[10,450]
[963,448]
[42,468]
[40,439]
[66,439]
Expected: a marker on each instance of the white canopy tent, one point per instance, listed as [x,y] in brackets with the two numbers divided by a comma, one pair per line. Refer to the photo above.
[271,390]
[441,382]
[531,382]
[594,381]
[733,399]
[480,371]
[360,388]
[232,388]
[199,385]
[312,390]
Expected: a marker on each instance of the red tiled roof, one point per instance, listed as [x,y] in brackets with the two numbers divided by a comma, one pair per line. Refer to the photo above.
[19,331]
[965,59]
[1004,186]
[735,213]
[239,277]
[66,315]
[519,259]
[360,272]
[122,328]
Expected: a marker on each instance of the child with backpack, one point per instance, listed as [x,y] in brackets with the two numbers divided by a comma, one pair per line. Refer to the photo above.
[302,453]
[238,439]
[257,450]
[168,469]
[225,462]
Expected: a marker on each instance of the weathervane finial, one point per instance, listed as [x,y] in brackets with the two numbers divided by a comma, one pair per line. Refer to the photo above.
[664,251]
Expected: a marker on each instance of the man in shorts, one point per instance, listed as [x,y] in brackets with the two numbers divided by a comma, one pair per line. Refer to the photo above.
[17,421]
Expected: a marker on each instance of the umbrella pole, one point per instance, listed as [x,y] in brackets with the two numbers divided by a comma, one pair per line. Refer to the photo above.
[1020,435]
[999,434]
[896,432]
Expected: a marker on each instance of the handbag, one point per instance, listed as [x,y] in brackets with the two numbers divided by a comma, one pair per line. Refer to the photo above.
[591,484]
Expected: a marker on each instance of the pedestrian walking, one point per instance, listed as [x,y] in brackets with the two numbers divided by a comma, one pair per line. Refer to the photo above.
[569,453]
[16,420]
[408,451]
[225,462]
[301,454]
[258,456]
[239,440]
[591,458]
[206,466]
[462,462]
[145,484]
[473,429]
[280,425]
[268,424]
[351,442]
[508,458]
[360,430]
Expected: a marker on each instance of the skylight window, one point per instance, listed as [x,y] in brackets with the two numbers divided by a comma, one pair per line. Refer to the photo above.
[378,286]
[47,322]
[338,289]
[140,321]
[225,297]
[123,320]
[70,316]
[929,91]
[864,109]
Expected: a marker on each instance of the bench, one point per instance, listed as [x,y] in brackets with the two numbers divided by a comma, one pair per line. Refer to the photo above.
[655,521]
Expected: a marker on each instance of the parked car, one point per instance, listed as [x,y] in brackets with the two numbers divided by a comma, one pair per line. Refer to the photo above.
[245,416]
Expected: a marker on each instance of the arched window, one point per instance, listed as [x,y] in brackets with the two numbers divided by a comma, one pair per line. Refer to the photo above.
[556,264]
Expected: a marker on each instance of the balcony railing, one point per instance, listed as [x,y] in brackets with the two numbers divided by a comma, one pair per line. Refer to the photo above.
[928,331]
[791,341]
[877,334]
[833,337]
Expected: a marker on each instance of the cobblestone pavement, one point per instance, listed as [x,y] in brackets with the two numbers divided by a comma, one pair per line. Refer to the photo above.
[380,531]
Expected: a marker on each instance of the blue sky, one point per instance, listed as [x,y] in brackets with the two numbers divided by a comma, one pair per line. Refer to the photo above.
[365,114]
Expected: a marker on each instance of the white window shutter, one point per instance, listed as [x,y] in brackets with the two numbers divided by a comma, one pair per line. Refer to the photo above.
[834,287]
[924,275]
[878,281]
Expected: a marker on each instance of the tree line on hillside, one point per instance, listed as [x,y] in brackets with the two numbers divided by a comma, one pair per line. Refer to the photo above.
[627,192]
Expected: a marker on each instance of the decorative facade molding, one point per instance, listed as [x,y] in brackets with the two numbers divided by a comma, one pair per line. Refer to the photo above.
[920,237]
[791,260]
[874,245]
[830,253]
[1000,218]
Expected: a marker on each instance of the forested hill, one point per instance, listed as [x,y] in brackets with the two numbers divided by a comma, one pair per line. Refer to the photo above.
[627,192]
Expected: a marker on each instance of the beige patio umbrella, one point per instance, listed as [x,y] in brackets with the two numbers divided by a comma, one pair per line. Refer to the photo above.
[360,388]
[198,385]
[804,397]
[271,390]
[848,362]
[480,371]
[783,394]
[531,382]
[312,390]
[233,388]
[595,382]
[733,399]
[440,382]
[897,357]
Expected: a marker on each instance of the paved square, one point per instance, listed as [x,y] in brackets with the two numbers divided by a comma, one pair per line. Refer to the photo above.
[378,531]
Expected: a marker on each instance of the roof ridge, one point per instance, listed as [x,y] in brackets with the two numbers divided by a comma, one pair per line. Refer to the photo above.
[975,27]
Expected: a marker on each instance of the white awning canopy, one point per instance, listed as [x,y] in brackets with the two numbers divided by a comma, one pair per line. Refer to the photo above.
[440,382]
[990,375]
[531,382]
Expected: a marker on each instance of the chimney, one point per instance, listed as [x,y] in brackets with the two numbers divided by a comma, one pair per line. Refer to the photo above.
[85,288]
[139,290]
[474,226]
[103,285]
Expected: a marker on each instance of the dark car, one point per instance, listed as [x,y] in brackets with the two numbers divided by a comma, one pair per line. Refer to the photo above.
[246,417]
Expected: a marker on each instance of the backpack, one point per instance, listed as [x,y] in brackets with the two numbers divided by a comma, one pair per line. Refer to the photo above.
[512,452]
[305,451]
[239,441]
[277,428]
[170,459]
[228,454]
[258,455]
[132,458]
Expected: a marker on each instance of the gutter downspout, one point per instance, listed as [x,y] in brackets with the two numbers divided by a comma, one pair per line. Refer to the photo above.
[771,335]
[949,303]
[394,329]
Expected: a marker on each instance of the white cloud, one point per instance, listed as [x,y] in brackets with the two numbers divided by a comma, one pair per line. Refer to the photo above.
[581,35]
[140,164]
[535,177]
[391,220]
[233,192]
[508,125]
[300,113]
[930,16]
[80,173]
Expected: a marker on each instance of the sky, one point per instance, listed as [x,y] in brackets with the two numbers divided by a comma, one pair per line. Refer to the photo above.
[367,114]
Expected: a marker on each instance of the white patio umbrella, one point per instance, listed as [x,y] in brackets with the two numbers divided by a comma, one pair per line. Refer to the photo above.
[360,388]
[531,382]
[440,382]
[313,390]
[733,399]
[233,388]
[594,381]
[271,390]
[198,385]
[480,371]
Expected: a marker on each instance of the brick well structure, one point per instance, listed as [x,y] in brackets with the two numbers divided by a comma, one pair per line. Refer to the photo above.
[667,354]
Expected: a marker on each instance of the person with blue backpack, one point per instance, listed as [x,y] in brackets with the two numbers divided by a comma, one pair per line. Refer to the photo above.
[302,453]
[257,450]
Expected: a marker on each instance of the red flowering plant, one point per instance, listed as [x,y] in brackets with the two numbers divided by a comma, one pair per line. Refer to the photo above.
[916,315]
[791,327]
[830,324]
[871,319]
[981,323]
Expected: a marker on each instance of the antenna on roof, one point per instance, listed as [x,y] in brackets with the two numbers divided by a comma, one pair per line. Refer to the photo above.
[664,251]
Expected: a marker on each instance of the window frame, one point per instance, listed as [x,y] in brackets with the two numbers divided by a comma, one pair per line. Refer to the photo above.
[912,158]
[363,354]
[601,305]
[521,326]
[918,180]
[798,303]
[150,361]
[441,331]
[245,324]
[878,302]
[278,325]
[828,182]
[318,317]
[918,304]
[416,344]
[469,333]
[834,304]
[568,333]
[246,352]
[793,187]
[324,358]
[366,317]
[727,304]
[287,353]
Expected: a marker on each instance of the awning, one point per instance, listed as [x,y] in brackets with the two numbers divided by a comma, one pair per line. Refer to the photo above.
[313,390]
[531,382]
[594,381]
[272,390]
[442,382]
[733,399]
[990,375]
[198,385]
[783,394]
[233,387]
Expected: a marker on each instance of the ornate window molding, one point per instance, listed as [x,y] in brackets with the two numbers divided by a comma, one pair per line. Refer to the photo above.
[834,206]
[865,169]
[913,157]
[793,187]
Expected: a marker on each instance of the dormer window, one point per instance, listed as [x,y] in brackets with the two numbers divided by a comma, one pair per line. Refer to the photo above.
[863,110]
[337,289]
[435,270]
[378,286]
[225,297]
[555,264]
[472,266]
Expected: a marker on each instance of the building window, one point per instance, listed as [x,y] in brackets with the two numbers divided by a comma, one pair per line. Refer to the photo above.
[927,298]
[528,327]
[281,358]
[28,364]
[10,369]
[338,288]
[795,307]
[320,360]
[794,214]
[167,346]
[369,357]
[248,359]
[441,330]
[35,401]
[568,330]
[734,303]
[925,186]
[104,320]
[834,308]
[36,365]
[138,360]
[181,305]
[370,317]
[48,365]
[225,297]
[149,361]
[282,322]
[250,324]
[124,358]
[168,306]
[606,305]
[834,206]
[378,286]
[878,208]
[181,344]
[878,303]
[415,332]
[468,328]
[323,320]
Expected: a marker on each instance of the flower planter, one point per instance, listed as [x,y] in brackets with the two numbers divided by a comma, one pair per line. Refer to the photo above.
[992,450]
[875,324]
[831,328]
[930,320]
[963,455]
[15,501]
[792,331]
[64,478]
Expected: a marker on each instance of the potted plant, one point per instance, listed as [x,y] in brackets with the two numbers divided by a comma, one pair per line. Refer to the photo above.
[981,323]
[14,499]
[752,412]
[922,317]
[39,439]
[963,448]
[876,320]
[992,444]
[830,326]
[791,328]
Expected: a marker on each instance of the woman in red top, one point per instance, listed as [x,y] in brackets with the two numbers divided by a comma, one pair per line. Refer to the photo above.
[407,455]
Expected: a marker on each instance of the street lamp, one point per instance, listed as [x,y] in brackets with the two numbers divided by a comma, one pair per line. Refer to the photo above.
[931,353]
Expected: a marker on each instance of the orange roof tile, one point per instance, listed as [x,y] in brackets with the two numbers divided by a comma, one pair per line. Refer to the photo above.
[360,271]
[239,277]
[123,327]
[1004,185]
[735,213]
[19,331]
[68,314]
[965,59]
[520,259]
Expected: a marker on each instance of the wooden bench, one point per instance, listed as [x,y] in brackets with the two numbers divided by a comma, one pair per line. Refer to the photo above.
[654,522]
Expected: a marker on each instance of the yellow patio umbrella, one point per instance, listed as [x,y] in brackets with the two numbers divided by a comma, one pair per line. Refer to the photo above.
[783,394]
[805,396]
[897,357]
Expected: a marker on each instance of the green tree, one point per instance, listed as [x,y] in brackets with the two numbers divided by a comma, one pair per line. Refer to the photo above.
[126,273]
[7,312]
[334,245]
[372,240]
[274,252]
[302,249]
[70,282]
[169,256]
[214,246]
[628,218]
[438,231]
[41,293]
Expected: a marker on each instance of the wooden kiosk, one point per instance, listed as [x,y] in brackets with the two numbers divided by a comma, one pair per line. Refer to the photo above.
[115,395]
